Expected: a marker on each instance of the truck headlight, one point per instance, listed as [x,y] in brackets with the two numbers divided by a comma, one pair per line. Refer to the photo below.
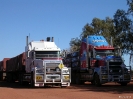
[111,60]
[39,71]
[119,71]
[125,70]
[57,69]
[104,72]
[65,71]
[110,71]
[48,69]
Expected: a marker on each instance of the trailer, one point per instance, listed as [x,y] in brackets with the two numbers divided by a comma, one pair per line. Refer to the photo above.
[3,69]
[14,67]
[40,65]
[97,62]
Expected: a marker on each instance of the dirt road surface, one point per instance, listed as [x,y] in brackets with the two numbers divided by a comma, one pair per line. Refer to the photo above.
[106,91]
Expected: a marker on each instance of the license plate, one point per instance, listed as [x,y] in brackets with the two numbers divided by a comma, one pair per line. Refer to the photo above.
[39,78]
[104,77]
[66,77]
[127,76]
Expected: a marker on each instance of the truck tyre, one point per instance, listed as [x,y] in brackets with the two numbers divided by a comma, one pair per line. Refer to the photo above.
[92,82]
[123,83]
[73,80]
[20,79]
[78,81]
[7,77]
[82,82]
[63,86]
[21,82]
[10,78]
[32,80]
[97,80]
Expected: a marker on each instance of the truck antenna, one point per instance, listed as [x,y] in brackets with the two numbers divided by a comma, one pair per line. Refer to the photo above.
[27,40]
[87,43]
[29,36]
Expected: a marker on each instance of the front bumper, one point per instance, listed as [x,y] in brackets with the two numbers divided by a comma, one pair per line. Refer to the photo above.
[115,78]
[42,80]
[62,78]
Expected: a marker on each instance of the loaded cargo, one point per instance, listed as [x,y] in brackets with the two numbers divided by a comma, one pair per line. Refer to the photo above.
[3,68]
[16,63]
[40,65]
[14,66]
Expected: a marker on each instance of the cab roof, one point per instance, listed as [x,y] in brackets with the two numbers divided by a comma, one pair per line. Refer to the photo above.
[43,45]
[96,41]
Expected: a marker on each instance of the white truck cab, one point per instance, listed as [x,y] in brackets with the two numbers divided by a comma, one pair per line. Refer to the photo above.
[44,63]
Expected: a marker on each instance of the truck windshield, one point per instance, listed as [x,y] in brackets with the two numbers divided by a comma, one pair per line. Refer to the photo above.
[104,53]
[47,54]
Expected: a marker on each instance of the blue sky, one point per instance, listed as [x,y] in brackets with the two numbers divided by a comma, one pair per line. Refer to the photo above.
[62,19]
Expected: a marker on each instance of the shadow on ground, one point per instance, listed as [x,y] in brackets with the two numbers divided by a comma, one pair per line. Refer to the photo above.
[24,86]
[109,87]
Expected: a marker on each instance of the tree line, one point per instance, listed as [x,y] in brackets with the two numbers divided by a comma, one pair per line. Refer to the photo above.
[120,28]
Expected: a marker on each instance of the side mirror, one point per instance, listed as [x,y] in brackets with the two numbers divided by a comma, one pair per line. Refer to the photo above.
[94,55]
[28,54]
[61,56]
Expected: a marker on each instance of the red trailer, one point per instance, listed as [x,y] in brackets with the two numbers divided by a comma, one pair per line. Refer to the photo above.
[3,68]
[1,64]
[12,64]
[14,67]
[21,60]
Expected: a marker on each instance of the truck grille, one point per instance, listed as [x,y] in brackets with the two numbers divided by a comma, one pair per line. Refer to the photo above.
[115,69]
[52,68]
[46,55]
[53,77]
[52,65]
[115,63]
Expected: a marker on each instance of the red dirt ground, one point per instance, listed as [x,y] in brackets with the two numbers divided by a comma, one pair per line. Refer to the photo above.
[87,91]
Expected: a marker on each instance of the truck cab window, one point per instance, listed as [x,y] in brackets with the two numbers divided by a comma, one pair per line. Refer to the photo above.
[47,54]
[104,53]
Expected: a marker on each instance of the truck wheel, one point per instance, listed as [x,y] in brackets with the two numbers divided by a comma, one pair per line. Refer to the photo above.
[97,80]
[82,82]
[63,86]
[10,78]
[20,79]
[32,80]
[21,82]
[123,83]
[77,79]
[73,80]
[93,82]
